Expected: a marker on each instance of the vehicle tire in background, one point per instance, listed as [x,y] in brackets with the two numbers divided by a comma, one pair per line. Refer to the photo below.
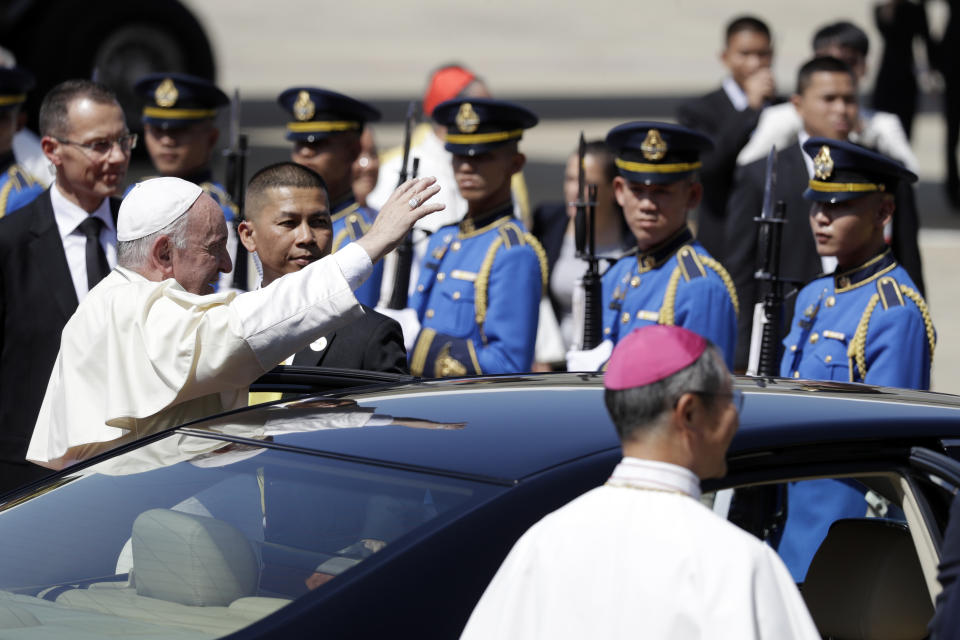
[117,41]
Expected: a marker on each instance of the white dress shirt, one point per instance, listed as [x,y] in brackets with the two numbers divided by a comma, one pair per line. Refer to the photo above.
[736,95]
[69,216]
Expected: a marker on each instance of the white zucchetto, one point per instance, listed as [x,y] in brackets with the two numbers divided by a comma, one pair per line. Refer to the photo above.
[153,204]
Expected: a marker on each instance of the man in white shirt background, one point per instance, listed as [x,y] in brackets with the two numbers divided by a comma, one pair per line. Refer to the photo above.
[54,250]
[641,557]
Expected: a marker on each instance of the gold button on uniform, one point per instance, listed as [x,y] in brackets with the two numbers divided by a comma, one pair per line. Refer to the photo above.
[440,277]
[625,318]
[455,246]
[606,331]
[430,313]
[635,281]
[793,347]
[828,359]
[831,301]
[352,217]
[814,337]
[456,295]
[420,288]
[796,374]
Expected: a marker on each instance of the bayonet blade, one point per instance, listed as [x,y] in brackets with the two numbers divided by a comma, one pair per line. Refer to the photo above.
[770,184]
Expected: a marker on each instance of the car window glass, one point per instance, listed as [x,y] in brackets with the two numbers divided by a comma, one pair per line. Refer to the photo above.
[234,531]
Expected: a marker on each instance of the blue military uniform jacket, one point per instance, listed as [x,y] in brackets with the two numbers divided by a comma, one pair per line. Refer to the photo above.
[350,221]
[677,283]
[478,298]
[869,325]
[864,325]
[17,187]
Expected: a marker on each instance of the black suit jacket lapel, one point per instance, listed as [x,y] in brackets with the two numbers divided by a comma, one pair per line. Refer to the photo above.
[47,254]
[307,357]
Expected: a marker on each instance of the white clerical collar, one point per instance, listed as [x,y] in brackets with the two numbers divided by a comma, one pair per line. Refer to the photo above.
[736,95]
[69,215]
[654,475]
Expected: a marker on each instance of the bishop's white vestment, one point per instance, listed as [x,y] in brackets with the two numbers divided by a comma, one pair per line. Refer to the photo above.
[640,557]
[139,356]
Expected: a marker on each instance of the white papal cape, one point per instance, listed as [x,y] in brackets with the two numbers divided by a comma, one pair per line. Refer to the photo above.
[640,558]
[139,356]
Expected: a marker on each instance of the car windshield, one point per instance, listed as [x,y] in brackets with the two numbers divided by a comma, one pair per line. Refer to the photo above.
[197,537]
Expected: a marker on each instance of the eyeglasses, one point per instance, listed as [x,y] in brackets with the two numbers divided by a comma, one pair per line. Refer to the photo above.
[126,142]
[736,397]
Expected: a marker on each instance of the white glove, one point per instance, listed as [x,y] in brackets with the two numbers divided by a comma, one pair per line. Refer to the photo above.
[409,324]
[591,359]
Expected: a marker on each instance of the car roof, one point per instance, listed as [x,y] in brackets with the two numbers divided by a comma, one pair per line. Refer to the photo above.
[506,428]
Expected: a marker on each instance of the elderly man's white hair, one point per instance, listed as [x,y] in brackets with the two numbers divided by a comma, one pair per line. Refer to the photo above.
[153,208]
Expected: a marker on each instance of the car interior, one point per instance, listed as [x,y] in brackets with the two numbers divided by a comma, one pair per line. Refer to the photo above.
[202,551]
[872,577]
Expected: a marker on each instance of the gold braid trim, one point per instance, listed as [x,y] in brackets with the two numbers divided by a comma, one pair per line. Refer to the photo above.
[541,257]
[222,196]
[483,281]
[727,280]
[925,313]
[4,196]
[670,298]
[857,351]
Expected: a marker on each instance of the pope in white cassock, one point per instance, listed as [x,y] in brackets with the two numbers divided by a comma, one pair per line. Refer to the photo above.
[151,346]
[641,557]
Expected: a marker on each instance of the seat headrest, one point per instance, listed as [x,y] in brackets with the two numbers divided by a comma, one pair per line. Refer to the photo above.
[865,581]
[192,560]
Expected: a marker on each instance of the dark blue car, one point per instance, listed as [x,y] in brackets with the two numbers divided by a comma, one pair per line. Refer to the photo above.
[383,510]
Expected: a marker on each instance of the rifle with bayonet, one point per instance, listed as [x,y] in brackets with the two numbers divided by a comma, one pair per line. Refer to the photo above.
[764,359]
[404,262]
[235,183]
[585,239]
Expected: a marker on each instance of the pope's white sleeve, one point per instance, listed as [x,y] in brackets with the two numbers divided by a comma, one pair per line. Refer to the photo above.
[300,307]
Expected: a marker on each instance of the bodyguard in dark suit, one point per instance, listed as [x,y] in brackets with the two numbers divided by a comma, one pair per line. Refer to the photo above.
[52,251]
[728,115]
[288,226]
[826,100]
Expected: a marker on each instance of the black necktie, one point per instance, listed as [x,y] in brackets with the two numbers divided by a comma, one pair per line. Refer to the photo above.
[97,267]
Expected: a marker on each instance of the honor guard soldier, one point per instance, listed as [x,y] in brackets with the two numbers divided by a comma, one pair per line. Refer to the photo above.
[325,131]
[478,294]
[17,186]
[670,278]
[866,322]
[180,133]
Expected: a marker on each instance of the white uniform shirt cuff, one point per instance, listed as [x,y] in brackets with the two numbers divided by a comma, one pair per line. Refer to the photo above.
[355,264]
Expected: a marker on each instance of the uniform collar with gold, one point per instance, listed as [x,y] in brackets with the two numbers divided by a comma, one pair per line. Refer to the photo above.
[472,225]
[343,206]
[866,272]
[653,475]
[647,260]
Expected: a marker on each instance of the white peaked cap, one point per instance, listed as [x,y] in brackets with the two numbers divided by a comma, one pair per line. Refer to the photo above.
[153,204]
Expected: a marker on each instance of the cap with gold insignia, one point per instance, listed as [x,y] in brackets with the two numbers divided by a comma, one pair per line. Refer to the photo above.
[318,113]
[14,84]
[656,152]
[477,125]
[843,171]
[172,100]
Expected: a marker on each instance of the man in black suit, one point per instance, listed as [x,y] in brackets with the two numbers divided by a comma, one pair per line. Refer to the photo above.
[288,225]
[52,251]
[826,100]
[728,115]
